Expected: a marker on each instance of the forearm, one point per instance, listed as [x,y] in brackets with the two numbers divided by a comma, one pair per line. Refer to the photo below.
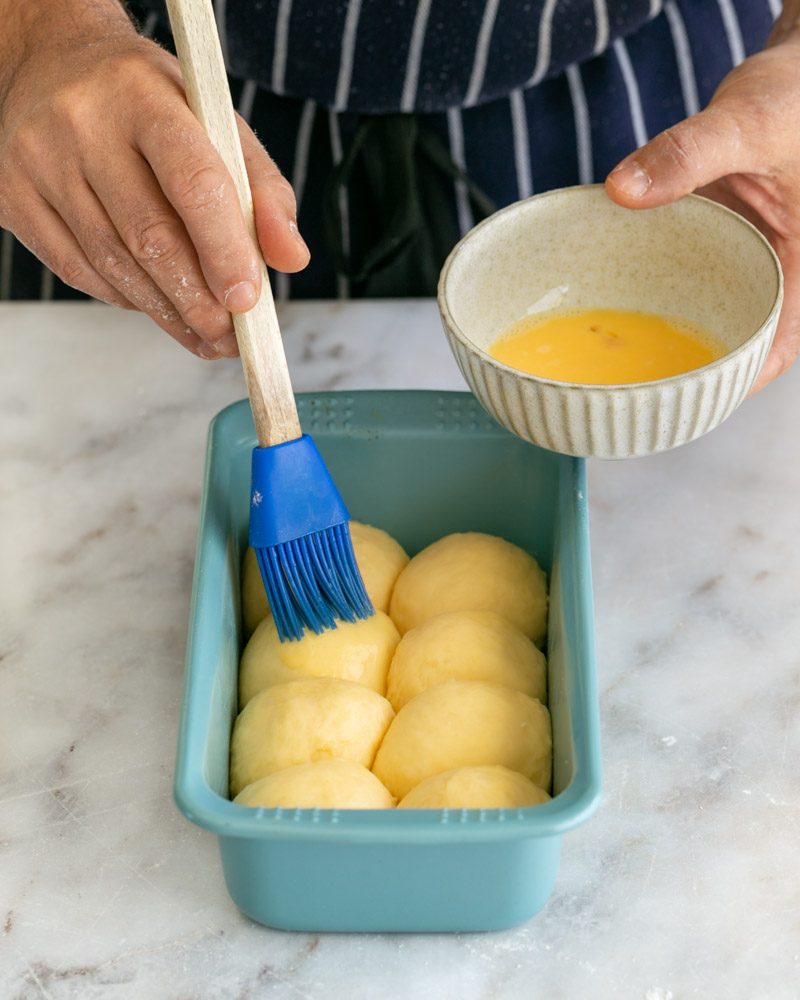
[787,26]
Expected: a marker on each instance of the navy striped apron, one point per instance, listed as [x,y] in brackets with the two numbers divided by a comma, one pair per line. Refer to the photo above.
[416,117]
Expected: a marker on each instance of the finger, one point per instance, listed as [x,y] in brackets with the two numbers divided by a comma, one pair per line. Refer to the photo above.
[43,232]
[274,206]
[91,227]
[158,242]
[46,235]
[786,345]
[199,187]
[692,153]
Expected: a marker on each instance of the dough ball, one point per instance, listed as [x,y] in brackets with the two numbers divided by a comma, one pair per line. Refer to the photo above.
[354,651]
[465,646]
[380,559]
[255,606]
[491,787]
[464,723]
[317,718]
[325,784]
[472,572]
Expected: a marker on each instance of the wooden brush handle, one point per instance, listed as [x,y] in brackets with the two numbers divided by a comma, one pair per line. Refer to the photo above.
[257,331]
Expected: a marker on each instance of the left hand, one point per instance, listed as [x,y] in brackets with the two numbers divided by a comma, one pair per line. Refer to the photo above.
[743,150]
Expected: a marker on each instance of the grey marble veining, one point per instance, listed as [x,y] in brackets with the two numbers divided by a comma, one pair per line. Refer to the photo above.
[685,884]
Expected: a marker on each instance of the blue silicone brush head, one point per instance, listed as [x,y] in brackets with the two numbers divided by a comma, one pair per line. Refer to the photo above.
[299,528]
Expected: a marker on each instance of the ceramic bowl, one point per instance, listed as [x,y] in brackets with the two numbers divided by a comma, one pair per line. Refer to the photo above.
[575,248]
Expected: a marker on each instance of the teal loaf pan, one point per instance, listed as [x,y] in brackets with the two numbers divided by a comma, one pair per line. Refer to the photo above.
[420,465]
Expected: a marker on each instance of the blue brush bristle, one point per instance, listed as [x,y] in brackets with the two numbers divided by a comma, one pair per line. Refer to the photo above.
[312,582]
[299,528]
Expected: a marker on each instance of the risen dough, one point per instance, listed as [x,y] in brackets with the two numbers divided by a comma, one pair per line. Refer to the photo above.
[354,651]
[317,718]
[472,572]
[491,787]
[255,606]
[380,559]
[463,723]
[465,646]
[325,784]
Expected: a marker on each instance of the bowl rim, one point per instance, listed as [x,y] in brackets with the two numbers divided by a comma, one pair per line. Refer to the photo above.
[454,330]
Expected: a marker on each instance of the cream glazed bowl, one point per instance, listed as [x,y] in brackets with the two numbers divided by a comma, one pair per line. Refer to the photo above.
[575,249]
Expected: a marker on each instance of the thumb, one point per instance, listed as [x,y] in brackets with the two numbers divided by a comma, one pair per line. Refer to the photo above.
[695,152]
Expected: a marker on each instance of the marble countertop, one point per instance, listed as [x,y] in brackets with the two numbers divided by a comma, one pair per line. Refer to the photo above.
[685,884]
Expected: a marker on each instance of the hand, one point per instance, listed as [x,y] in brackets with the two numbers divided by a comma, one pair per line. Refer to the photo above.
[743,150]
[110,180]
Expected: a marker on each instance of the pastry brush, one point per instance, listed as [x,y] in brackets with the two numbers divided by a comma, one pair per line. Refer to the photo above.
[299,525]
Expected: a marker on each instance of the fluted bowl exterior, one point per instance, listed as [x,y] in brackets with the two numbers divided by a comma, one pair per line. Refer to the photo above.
[727,280]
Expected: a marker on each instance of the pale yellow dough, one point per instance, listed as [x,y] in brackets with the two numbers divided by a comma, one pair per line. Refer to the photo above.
[465,646]
[380,559]
[255,606]
[472,572]
[354,651]
[490,787]
[325,784]
[317,718]
[464,723]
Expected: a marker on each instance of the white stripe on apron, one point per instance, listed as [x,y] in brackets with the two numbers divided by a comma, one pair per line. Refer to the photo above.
[522,149]
[342,284]
[455,130]
[46,284]
[348,54]
[481,53]
[683,55]
[732,30]
[601,22]
[281,46]
[299,171]
[418,32]
[6,250]
[632,87]
[246,99]
[583,132]
[149,25]
[219,14]
[545,33]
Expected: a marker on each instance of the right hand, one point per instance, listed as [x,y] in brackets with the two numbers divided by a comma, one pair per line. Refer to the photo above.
[107,176]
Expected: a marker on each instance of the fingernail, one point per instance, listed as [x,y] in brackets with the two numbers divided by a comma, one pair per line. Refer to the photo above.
[207,352]
[227,346]
[296,233]
[241,297]
[632,178]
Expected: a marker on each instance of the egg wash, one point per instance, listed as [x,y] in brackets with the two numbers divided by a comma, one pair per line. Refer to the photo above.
[605,346]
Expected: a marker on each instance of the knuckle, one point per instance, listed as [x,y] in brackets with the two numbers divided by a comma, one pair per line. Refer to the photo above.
[106,256]
[154,241]
[278,187]
[23,145]
[681,146]
[72,271]
[74,105]
[201,186]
